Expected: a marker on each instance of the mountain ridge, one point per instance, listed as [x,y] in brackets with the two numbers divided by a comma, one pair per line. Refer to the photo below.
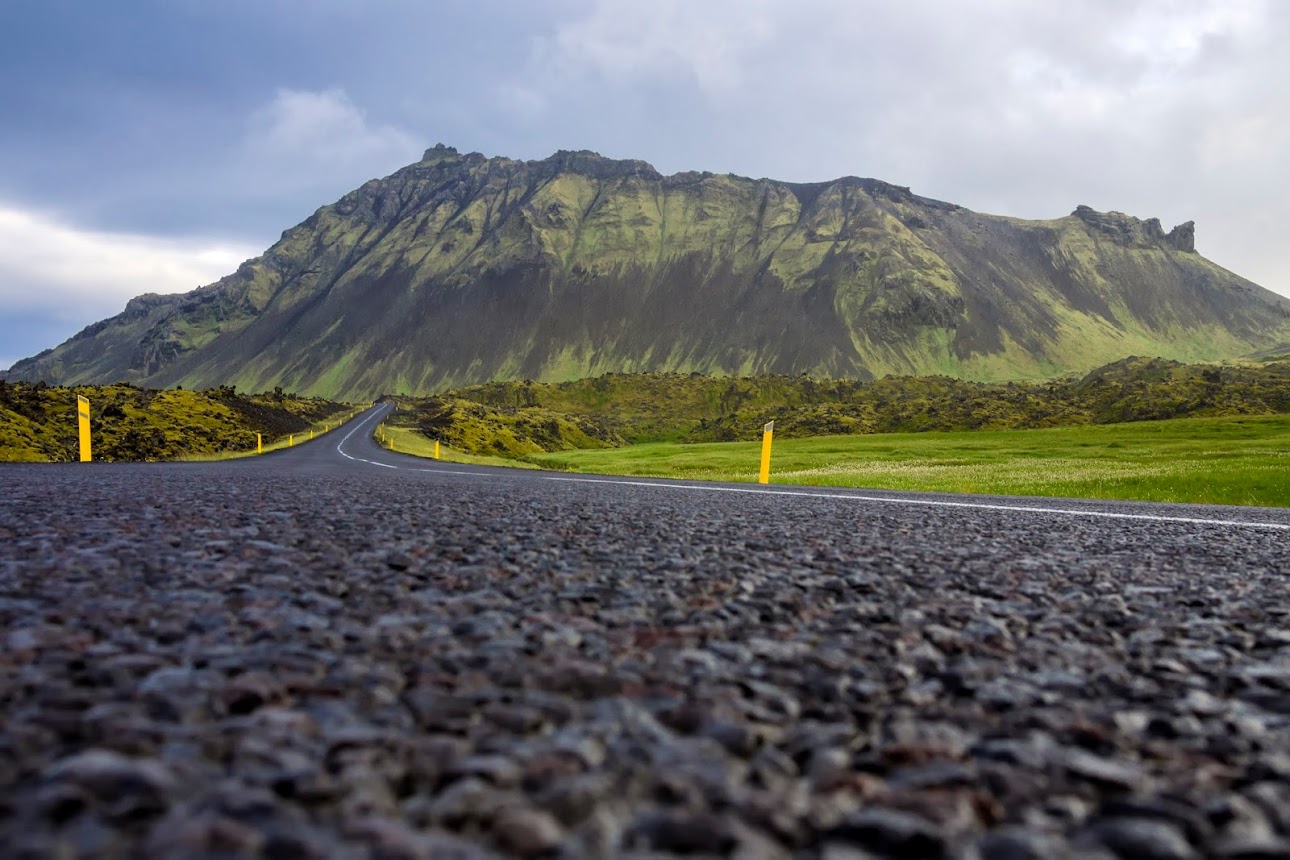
[461,269]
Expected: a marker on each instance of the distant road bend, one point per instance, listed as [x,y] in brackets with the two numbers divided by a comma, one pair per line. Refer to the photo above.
[334,649]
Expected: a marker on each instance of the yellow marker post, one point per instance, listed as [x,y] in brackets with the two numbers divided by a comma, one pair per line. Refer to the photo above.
[83,424]
[259,444]
[767,433]
[436,449]
[311,435]
[291,440]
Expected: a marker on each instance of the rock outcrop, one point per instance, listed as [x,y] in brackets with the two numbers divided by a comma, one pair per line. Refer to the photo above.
[1138,233]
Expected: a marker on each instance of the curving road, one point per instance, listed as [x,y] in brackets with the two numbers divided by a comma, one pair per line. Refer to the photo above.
[335,649]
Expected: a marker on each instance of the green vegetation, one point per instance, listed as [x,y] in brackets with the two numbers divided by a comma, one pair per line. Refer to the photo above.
[38,422]
[1233,461]
[315,430]
[1106,435]
[461,269]
[515,419]
[477,429]
[406,440]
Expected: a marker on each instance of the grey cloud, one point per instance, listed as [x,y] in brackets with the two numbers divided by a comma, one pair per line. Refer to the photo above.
[1166,108]
[1169,109]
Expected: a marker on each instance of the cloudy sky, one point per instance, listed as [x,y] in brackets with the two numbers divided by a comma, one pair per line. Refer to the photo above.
[151,145]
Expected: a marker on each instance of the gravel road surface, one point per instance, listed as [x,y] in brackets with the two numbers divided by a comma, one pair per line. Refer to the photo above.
[308,654]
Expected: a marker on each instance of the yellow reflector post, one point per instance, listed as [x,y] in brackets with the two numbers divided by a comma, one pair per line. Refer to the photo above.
[767,433]
[83,425]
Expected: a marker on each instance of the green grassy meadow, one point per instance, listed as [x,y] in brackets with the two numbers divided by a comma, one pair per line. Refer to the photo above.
[1242,460]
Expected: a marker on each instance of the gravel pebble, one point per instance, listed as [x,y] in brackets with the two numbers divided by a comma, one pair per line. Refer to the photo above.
[296,658]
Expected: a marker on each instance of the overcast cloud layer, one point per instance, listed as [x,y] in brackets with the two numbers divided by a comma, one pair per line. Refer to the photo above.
[149,145]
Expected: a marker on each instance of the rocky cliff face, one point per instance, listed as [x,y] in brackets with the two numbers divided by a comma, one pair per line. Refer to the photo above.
[1135,233]
[461,269]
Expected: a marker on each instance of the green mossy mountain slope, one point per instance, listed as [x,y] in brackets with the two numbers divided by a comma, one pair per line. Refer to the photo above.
[462,269]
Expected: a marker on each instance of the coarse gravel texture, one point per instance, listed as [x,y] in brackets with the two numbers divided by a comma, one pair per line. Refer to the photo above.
[308,656]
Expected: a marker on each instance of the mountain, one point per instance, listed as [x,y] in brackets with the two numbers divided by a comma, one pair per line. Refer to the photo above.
[460,269]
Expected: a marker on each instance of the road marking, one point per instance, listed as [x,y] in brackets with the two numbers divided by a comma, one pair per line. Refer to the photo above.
[887,500]
[357,427]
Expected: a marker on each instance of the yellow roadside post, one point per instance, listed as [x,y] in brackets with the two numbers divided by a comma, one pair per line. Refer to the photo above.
[436,449]
[83,425]
[291,440]
[259,444]
[311,435]
[767,433]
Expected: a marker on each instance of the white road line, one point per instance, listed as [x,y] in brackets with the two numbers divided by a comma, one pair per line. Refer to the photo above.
[357,427]
[752,491]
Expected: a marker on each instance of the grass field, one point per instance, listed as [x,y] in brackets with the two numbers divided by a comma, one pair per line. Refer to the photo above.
[1238,461]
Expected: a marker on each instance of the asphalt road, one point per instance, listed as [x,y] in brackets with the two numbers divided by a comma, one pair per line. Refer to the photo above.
[333,649]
